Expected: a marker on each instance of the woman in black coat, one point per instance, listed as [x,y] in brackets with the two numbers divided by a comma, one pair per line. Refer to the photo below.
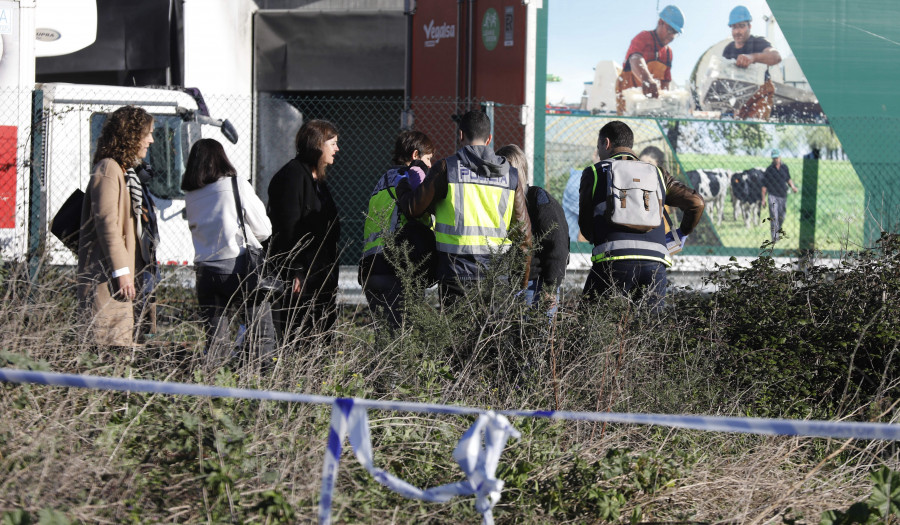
[305,233]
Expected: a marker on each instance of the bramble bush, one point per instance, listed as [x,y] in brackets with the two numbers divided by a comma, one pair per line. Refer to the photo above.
[803,341]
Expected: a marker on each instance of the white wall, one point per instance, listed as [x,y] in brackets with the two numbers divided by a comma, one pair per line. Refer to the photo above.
[218,46]
[218,59]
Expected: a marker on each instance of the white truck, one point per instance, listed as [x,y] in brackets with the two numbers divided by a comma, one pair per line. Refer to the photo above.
[48,132]
[73,118]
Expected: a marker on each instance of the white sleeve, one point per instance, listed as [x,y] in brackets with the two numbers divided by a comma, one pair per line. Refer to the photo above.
[254,211]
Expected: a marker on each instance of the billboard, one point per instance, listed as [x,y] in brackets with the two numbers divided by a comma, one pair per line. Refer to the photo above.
[738,123]
[684,60]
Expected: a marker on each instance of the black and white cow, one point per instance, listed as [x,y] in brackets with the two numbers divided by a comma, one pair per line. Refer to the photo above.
[746,195]
[712,185]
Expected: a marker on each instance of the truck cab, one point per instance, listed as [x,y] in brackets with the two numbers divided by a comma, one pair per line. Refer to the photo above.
[73,119]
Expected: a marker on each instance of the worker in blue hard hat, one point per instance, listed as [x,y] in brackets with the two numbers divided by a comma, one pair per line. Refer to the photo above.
[648,62]
[747,49]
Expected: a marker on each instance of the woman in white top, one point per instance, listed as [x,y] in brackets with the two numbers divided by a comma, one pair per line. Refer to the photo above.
[220,249]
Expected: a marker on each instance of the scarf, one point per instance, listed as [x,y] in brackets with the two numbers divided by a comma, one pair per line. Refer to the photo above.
[144,215]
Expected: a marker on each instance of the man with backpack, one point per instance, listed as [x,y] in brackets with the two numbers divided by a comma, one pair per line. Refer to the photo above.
[621,211]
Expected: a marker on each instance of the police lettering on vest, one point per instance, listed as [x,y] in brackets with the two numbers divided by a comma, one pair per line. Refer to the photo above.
[474,218]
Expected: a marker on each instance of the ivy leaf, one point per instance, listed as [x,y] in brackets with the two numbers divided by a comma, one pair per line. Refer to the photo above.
[833,517]
[886,492]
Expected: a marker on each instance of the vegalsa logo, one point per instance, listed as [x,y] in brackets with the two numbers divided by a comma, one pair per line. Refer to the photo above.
[434,34]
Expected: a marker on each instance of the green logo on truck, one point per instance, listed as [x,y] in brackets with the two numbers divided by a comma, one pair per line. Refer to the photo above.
[490,29]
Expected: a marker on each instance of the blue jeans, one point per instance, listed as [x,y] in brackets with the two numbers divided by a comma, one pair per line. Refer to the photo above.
[640,279]
[533,295]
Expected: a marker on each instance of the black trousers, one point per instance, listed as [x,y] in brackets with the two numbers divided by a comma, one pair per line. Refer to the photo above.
[641,279]
[218,295]
[300,316]
[384,294]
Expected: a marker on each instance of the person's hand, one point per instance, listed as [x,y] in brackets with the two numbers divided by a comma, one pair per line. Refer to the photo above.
[681,236]
[651,88]
[125,284]
[743,60]
[764,203]
[297,285]
[551,300]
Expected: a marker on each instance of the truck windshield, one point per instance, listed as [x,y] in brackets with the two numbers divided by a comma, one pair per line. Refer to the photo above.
[165,156]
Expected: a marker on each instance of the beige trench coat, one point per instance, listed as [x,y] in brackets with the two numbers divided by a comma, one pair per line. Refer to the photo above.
[107,242]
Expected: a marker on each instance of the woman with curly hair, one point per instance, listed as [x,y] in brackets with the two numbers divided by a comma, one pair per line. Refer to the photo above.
[110,247]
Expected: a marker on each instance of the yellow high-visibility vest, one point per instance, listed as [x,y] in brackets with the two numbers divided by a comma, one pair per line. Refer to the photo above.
[474,219]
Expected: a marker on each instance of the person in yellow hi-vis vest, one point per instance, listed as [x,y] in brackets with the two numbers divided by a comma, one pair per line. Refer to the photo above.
[379,266]
[630,256]
[648,61]
[476,200]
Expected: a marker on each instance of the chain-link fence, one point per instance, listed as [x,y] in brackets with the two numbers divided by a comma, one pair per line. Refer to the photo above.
[727,162]
[724,160]
[69,118]
[367,129]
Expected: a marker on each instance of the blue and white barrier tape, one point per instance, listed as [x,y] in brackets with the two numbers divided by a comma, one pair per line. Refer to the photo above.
[478,461]
[745,425]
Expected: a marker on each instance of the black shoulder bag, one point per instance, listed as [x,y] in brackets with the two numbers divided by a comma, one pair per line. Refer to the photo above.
[66,224]
[259,281]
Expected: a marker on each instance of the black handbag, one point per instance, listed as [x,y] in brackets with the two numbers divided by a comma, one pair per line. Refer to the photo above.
[66,224]
[258,279]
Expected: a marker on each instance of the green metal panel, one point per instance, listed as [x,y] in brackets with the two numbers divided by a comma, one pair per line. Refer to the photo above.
[849,51]
[540,95]
[808,202]
[36,217]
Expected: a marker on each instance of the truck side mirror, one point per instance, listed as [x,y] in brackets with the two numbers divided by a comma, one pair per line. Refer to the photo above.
[228,130]
[227,127]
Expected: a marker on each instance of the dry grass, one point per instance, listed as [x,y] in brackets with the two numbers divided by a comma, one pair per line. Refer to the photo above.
[103,457]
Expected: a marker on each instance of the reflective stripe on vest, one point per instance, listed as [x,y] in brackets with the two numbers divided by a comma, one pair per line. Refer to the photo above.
[624,247]
[601,251]
[474,218]
[665,261]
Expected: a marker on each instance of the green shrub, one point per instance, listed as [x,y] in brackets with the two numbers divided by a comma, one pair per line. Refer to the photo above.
[798,342]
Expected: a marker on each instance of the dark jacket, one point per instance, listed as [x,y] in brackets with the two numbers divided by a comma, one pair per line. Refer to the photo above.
[551,231]
[415,203]
[775,180]
[677,195]
[305,227]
